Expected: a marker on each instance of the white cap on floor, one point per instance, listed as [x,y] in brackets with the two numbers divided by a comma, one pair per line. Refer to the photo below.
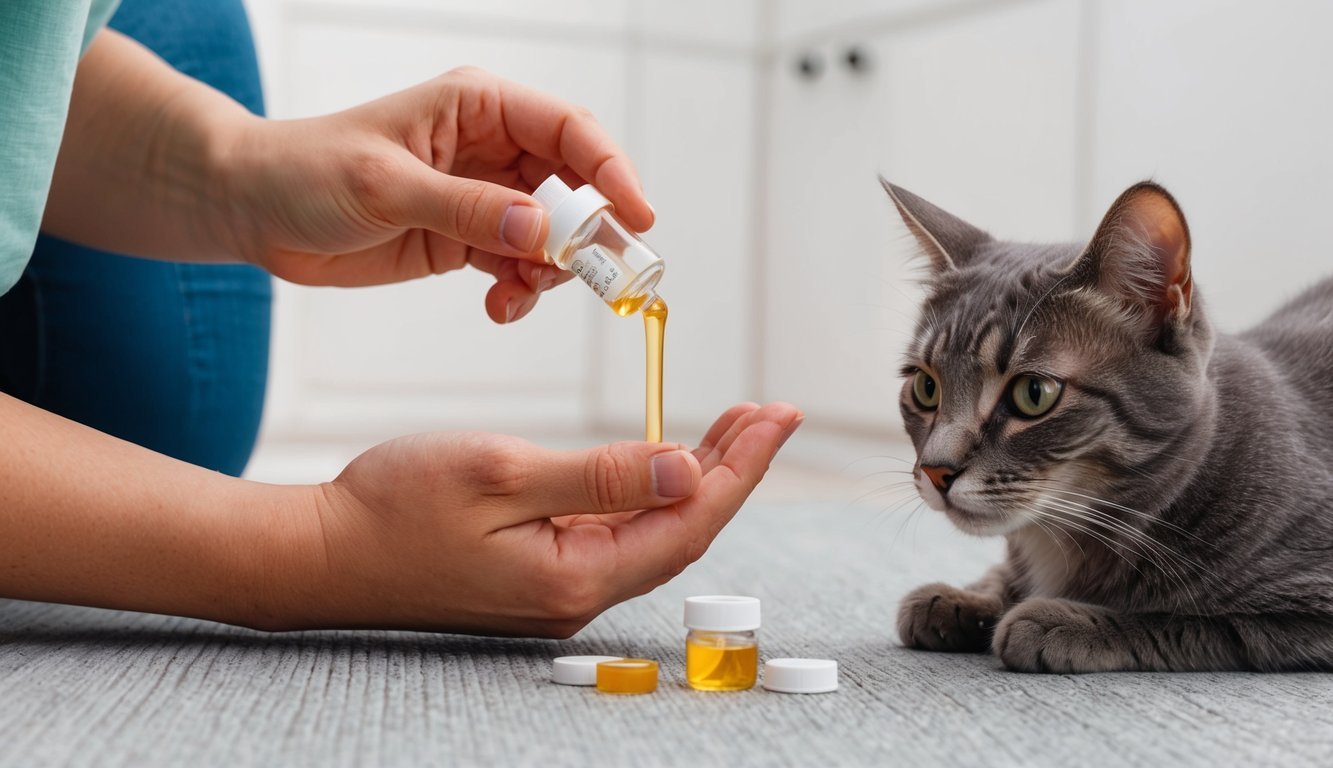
[801,675]
[577,670]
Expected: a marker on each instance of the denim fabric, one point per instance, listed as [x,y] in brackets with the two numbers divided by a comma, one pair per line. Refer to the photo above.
[171,356]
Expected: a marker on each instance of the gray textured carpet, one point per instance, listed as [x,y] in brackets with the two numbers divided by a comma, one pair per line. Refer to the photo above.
[85,687]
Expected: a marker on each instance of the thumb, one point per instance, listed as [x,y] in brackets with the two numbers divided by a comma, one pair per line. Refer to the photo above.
[490,217]
[619,477]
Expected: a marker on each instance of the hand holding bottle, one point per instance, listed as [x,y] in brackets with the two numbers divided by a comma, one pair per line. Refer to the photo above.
[421,182]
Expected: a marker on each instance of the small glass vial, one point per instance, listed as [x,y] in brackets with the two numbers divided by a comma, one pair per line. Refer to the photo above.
[587,239]
[722,647]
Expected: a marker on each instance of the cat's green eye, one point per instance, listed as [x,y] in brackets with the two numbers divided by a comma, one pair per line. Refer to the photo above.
[1035,395]
[925,390]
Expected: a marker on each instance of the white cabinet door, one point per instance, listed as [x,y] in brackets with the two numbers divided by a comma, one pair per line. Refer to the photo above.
[424,355]
[977,114]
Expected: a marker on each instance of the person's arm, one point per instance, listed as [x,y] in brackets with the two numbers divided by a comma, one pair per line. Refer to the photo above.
[88,519]
[420,182]
[450,532]
[142,165]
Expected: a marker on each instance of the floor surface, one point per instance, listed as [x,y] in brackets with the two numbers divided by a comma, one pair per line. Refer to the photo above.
[87,687]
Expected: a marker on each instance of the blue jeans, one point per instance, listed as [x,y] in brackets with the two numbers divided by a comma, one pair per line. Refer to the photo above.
[171,356]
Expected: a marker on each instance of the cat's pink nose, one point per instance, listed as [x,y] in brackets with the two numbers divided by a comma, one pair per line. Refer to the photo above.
[941,476]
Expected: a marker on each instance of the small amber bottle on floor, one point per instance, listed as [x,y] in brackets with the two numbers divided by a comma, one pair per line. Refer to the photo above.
[722,647]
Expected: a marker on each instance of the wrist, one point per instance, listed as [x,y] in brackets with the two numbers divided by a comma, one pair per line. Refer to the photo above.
[274,559]
[232,152]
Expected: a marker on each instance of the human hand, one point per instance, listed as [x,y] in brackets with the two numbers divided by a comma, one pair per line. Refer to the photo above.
[487,534]
[421,182]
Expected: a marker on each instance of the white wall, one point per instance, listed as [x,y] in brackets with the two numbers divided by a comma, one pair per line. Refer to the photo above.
[786,266]
[1228,103]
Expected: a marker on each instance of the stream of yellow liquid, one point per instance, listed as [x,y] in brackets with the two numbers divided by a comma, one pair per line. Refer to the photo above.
[654,333]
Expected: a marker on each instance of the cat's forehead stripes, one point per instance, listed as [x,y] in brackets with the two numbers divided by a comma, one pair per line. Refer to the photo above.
[973,337]
[987,315]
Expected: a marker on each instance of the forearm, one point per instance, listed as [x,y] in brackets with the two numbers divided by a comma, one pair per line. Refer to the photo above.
[142,166]
[92,520]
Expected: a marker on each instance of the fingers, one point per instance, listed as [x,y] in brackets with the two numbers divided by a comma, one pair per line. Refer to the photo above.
[604,480]
[518,284]
[774,410]
[659,543]
[720,427]
[486,216]
[563,134]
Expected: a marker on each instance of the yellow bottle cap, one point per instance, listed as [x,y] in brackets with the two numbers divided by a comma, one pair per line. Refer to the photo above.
[627,676]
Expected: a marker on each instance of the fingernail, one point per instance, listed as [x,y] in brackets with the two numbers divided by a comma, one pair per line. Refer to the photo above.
[672,476]
[790,430]
[509,310]
[523,308]
[546,282]
[519,227]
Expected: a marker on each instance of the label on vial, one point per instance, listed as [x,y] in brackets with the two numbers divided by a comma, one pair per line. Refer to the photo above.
[595,266]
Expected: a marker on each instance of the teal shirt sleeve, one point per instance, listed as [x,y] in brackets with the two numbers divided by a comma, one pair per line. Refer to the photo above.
[40,45]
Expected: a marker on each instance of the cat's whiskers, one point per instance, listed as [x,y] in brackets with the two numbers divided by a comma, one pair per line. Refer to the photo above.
[1164,558]
[1063,488]
[899,486]
[1115,548]
[906,486]
[1158,547]
[903,526]
[902,482]
[1113,525]
[891,506]
[854,462]
[869,475]
[1064,521]
[1051,530]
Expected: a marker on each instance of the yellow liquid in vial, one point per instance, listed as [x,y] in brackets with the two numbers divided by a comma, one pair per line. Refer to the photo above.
[654,333]
[628,306]
[718,666]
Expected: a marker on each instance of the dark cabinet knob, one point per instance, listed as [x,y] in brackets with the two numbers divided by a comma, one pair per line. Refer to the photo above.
[856,59]
[810,65]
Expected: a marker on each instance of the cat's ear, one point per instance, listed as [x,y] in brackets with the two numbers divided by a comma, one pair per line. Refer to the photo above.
[947,240]
[1141,254]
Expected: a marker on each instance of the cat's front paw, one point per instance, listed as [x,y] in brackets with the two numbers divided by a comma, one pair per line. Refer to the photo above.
[1047,635]
[938,617]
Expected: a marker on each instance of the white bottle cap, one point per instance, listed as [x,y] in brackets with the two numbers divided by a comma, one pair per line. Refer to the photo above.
[577,670]
[801,675]
[722,613]
[568,210]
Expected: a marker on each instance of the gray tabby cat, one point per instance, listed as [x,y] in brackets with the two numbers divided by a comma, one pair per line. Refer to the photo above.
[1166,491]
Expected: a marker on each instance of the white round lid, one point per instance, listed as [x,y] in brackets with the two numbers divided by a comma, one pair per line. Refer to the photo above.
[722,613]
[567,208]
[578,670]
[801,675]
